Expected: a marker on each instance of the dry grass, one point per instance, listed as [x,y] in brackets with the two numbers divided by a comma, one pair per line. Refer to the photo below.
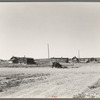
[83,95]
[4,65]
[13,80]
[45,80]
[95,85]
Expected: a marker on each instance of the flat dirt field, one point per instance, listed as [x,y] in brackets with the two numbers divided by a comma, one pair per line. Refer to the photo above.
[79,81]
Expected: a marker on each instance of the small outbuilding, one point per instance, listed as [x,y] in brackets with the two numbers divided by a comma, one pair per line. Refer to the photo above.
[75,59]
[22,60]
[66,60]
[92,60]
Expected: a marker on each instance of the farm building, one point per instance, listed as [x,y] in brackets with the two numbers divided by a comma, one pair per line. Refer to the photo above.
[92,60]
[60,59]
[75,60]
[88,60]
[98,60]
[83,60]
[22,60]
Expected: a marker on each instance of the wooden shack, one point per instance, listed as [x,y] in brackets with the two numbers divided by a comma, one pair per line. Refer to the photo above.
[22,60]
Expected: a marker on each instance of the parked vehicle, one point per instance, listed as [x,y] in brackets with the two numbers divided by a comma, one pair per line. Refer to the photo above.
[56,65]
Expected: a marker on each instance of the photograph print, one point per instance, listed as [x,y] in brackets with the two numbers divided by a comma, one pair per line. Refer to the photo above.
[49,50]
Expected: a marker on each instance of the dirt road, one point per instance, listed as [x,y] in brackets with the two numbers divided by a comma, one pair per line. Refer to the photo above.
[59,83]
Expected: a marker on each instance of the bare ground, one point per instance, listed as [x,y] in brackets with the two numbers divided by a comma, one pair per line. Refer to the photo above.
[73,82]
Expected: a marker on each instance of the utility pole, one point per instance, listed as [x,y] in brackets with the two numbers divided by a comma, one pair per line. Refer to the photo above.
[48,51]
[78,54]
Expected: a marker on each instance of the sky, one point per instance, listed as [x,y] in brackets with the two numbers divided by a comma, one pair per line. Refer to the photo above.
[68,27]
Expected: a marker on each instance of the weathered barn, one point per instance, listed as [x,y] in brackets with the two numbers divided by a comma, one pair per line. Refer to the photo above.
[98,60]
[88,60]
[75,60]
[22,60]
[92,60]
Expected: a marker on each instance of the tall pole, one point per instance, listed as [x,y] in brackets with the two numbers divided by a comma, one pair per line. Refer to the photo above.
[78,54]
[48,51]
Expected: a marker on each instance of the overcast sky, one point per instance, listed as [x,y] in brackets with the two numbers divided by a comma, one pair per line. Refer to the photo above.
[26,28]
